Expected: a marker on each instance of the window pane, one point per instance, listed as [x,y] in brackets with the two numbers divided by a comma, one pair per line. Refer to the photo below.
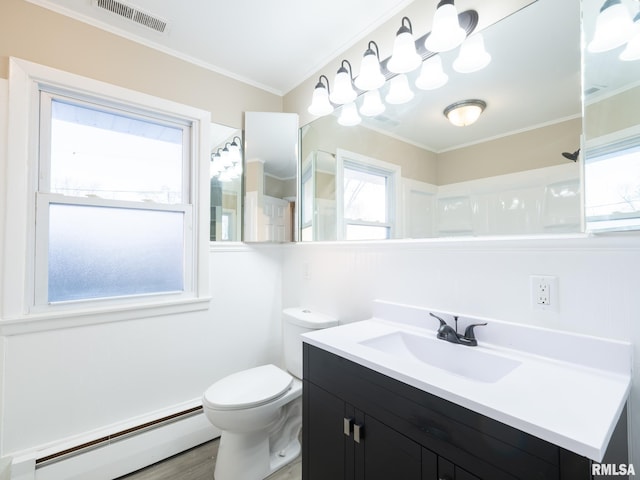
[365,196]
[98,252]
[612,185]
[95,152]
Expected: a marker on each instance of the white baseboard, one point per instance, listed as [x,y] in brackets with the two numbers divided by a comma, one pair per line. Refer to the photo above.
[124,456]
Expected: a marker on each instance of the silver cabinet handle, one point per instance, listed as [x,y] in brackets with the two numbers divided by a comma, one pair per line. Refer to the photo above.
[348,422]
[357,432]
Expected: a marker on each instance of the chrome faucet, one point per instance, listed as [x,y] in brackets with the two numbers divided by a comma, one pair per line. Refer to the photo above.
[450,334]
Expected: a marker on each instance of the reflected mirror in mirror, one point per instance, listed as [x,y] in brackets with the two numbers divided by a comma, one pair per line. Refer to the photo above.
[271,167]
[409,173]
[612,118]
[225,184]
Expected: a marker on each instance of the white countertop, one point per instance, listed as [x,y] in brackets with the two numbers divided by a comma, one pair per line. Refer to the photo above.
[569,390]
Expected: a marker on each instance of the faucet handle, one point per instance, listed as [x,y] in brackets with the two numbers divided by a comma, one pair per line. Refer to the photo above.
[468,332]
[442,322]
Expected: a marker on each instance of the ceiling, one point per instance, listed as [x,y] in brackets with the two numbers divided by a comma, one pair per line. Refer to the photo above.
[271,45]
[533,79]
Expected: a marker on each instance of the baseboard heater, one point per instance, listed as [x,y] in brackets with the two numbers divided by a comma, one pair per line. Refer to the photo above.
[121,435]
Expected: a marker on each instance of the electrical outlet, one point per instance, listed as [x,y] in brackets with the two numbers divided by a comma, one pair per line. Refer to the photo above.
[544,292]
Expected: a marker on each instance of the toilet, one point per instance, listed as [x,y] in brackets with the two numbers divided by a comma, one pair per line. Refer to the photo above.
[259,410]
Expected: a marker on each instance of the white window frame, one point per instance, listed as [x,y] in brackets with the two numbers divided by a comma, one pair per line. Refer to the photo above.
[393,174]
[20,310]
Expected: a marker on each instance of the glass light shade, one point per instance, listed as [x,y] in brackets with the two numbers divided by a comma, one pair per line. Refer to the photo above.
[343,91]
[370,77]
[632,50]
[431,74]
[349,115]
[235,171]
[215,168]
[226,158]
[405,57]
[372,104]
[614,27]
[446,32]
[399,90]
[472,56]
[234,153]
[462,114]
[320,105]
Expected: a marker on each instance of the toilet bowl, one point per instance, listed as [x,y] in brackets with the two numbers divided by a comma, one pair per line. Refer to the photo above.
[259,410]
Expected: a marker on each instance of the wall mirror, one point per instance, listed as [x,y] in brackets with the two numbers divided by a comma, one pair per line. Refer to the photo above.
[408,173]
[226,184]
[271,168]
[612,117]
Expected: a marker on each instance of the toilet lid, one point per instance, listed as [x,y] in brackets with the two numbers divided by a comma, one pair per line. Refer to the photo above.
[249,388]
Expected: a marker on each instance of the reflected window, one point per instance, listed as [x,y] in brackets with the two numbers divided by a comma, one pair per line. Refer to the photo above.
[368,198]
[612,186]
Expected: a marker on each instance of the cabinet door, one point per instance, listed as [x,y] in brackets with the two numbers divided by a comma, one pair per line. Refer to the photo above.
[449,471]
[384,454]
[324,442]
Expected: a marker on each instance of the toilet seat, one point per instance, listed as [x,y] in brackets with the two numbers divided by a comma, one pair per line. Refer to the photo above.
[250,388]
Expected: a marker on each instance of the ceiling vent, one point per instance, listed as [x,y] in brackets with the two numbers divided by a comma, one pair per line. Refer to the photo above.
[133,13]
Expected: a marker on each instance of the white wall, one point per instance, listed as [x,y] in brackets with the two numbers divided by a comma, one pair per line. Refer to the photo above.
[598,283]
[66,384]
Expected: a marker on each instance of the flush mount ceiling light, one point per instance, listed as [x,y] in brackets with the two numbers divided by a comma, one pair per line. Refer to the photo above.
[614,27]
[320,104]
[370,77]
[472,56]
[343,91]
[465,112]
[632,50]
[446,32]
[405,57]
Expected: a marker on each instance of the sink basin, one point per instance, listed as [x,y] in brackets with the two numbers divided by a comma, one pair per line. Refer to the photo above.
[468,362]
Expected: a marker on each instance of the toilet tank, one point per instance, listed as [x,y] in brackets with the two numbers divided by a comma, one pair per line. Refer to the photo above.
[296,321]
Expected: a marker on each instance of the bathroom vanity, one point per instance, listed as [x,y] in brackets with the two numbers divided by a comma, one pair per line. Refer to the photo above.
[372,411]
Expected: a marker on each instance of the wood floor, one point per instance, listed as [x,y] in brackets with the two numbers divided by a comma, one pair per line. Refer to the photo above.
[198,464]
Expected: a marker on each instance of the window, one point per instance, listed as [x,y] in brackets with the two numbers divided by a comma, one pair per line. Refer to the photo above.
[118,215]
[368,197]
[612,185]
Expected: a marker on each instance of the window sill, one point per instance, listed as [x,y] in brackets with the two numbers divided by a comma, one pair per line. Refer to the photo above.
[41,322]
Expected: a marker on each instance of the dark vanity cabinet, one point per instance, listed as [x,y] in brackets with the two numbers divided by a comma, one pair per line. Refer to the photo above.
[359,424]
